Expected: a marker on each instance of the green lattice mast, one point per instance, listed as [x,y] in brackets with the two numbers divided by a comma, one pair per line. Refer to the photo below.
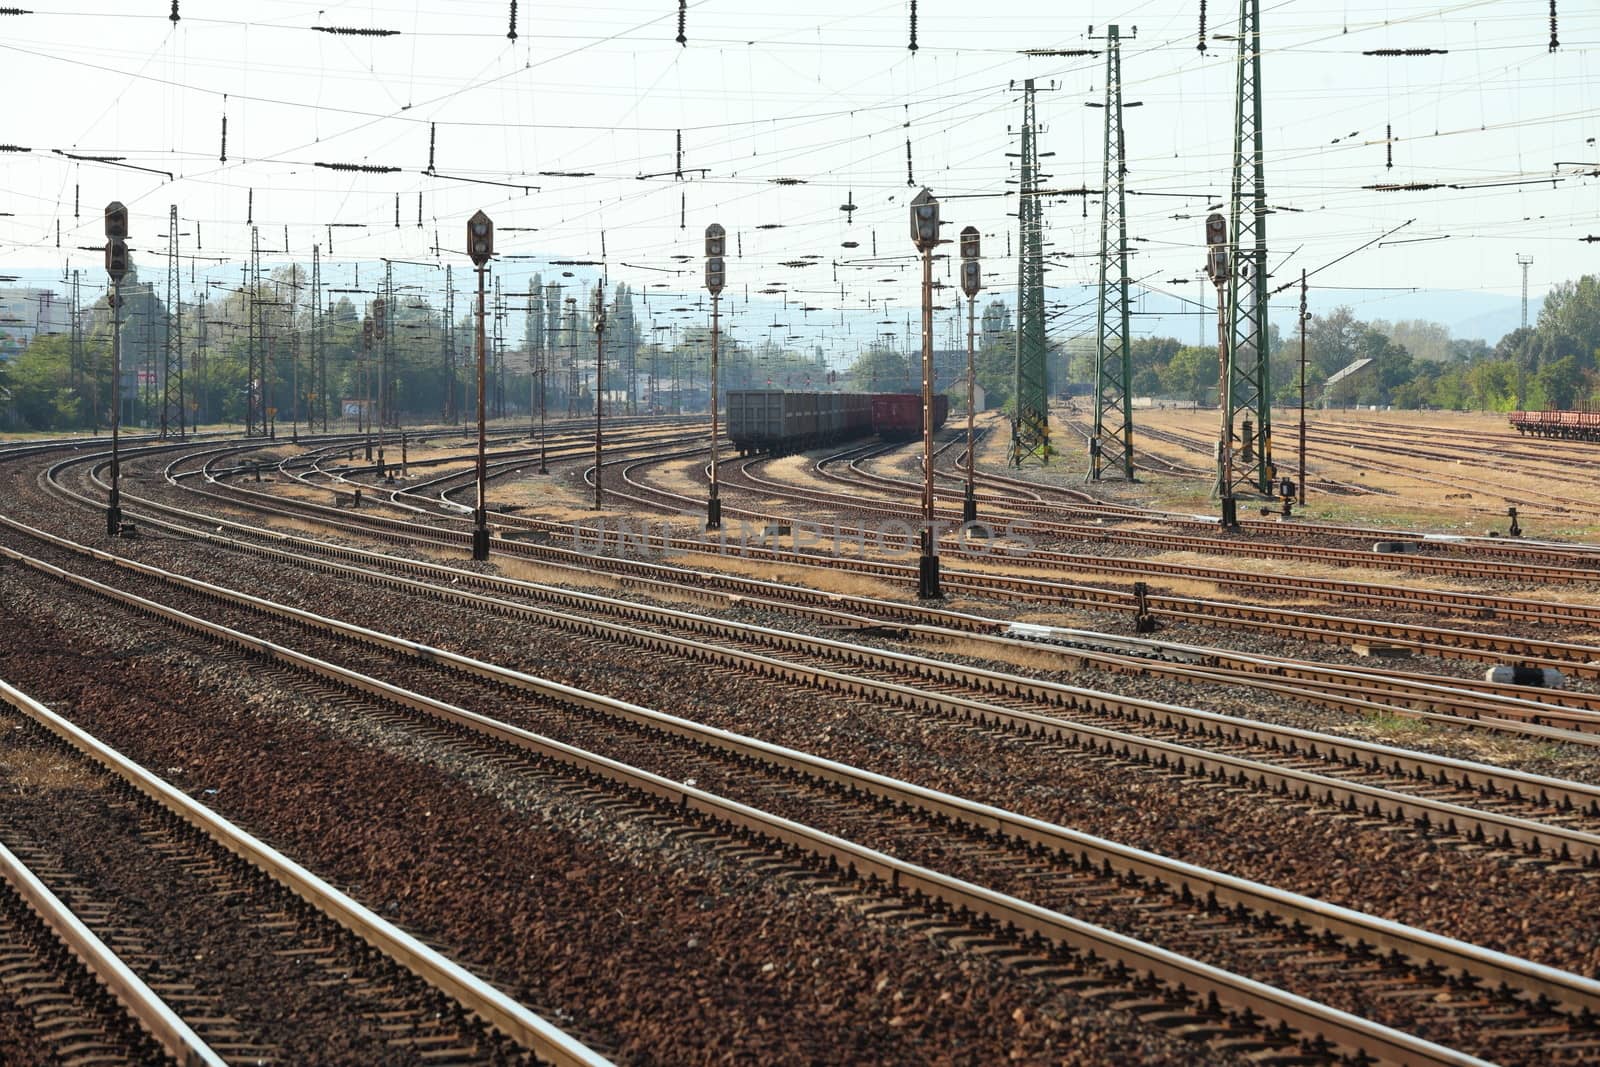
[1030,429]
[1249,358]
[1112,446]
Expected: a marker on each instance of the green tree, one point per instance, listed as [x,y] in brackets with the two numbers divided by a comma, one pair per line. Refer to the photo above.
[1559,383]
[1191,374]
[1572,310]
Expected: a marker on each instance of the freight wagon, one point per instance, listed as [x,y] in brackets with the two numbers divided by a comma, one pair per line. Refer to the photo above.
[777,421]
[898,416]
[1572,425]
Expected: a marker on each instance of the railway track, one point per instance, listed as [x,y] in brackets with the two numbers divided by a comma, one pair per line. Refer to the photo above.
[1199,911]
[69,996]
[1334,771]
[1426,694]
[313,982]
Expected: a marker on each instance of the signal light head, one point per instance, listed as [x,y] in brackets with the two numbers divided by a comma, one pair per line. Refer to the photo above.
[716,274]
[969,242]
[116,221]
[1217,247]
[116,258]
[971,278]
[716,241]
[925,221]
[480,238]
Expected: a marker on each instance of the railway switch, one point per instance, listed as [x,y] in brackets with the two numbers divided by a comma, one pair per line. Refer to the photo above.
[1143,621]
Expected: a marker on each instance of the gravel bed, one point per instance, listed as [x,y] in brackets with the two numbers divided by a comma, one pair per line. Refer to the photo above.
[665,949]
[275,979]
[1317,853]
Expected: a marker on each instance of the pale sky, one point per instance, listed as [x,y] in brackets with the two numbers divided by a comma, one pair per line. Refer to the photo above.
[824,93]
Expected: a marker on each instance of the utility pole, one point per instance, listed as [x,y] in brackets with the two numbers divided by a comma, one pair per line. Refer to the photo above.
[1030,429]
[480,246]
[971,284]
[1112,443]
[1219,266]
[1249,367]
[116,228]
[716,277]
[925,235]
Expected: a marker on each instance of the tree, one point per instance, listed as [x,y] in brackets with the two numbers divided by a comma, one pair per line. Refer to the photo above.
[1559,383]
[1191,373]
[1572,309]
[1426,341]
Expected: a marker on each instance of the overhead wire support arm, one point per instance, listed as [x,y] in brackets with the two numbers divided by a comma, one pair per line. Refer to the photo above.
[113,161]
[1393,52]
[487,181]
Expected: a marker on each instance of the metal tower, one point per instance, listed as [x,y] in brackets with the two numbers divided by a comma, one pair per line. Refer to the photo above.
[499,351]
[1030,428]
[386,386]
[172,408]
[255,420]
[1524,262]
[79,357]
[449,352]
[1112,445]
[319,356]
[1249,383]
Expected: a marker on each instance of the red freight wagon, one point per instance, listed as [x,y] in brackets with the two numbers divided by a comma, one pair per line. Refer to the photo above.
[898,416]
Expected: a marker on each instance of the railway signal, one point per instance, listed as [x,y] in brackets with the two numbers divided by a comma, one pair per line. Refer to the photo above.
[925,235]
[116,226]
[716,247]
[971,283]
[1219,269]
[480,246]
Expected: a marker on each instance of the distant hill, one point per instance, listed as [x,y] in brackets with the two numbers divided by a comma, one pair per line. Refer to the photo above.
[1484,315]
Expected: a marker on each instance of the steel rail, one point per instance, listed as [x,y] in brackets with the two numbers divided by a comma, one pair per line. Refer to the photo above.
[1562,842]
[1359,1036]
[1441,699]
[516,1021]
[1425,689]
[152,1013]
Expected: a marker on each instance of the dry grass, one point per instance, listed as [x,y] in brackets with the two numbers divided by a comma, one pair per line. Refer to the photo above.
[1465,489]
[26,770]
[843,582]
[1025,658]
